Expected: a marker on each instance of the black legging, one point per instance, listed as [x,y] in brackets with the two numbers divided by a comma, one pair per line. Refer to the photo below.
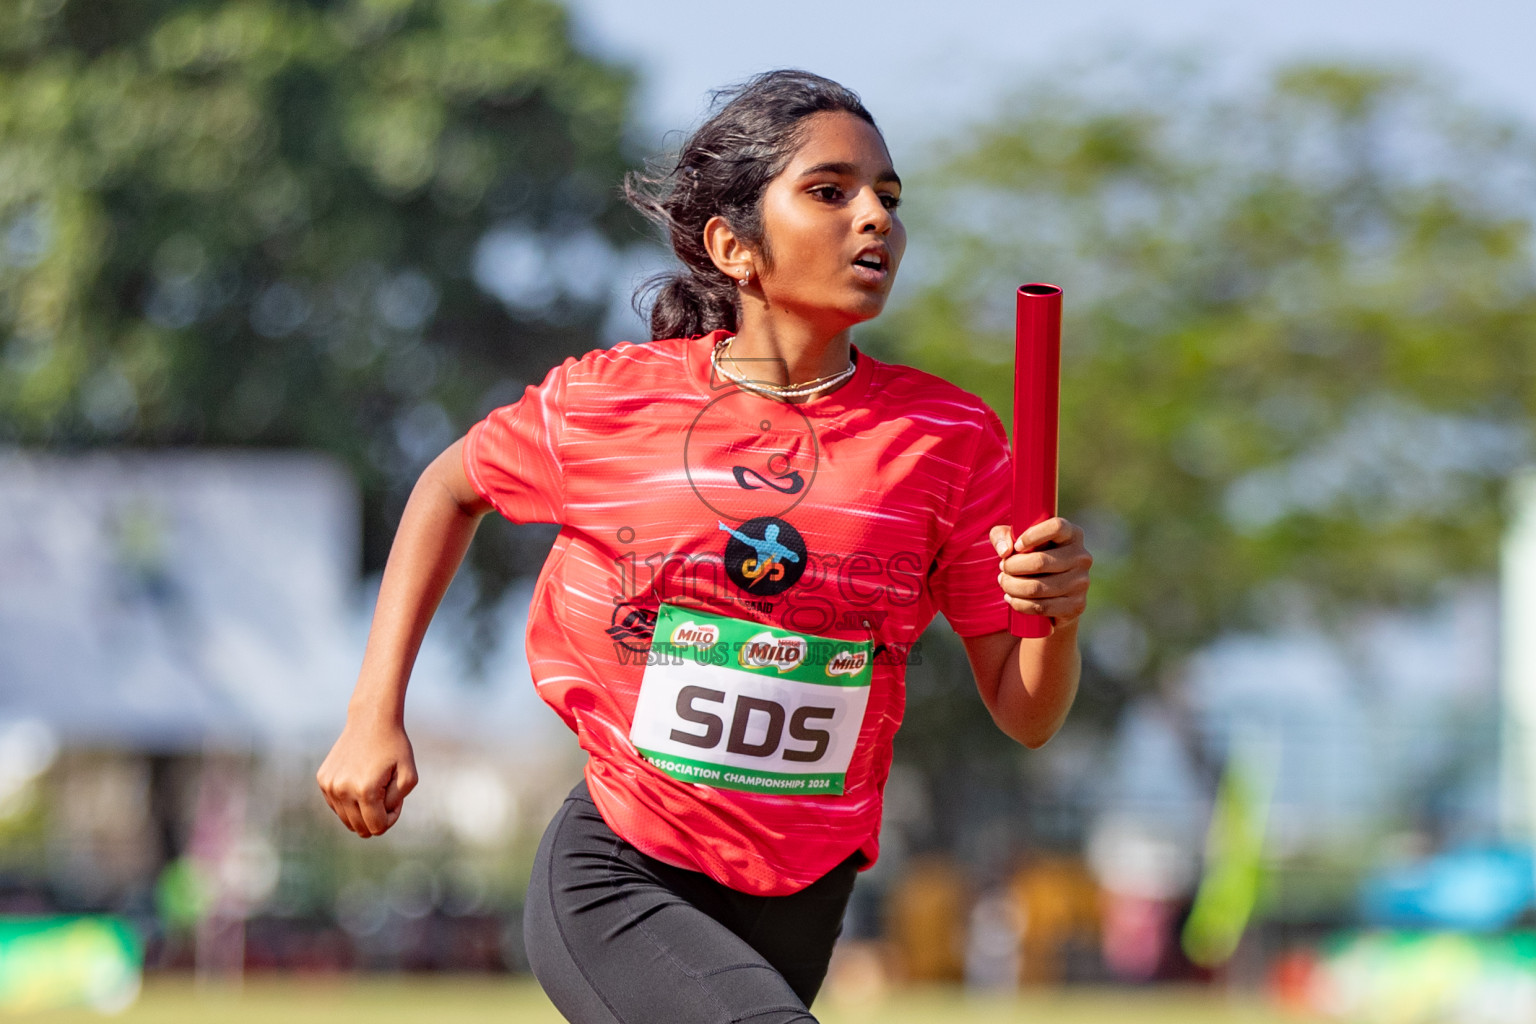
[616,937]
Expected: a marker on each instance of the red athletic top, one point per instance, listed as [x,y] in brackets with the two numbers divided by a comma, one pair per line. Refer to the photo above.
[854,516]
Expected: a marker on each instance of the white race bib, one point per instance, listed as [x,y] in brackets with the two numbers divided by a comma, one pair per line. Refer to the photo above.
[739,705]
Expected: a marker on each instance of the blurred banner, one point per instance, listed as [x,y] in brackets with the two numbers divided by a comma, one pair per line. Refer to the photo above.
[1409,977]
[51,962]
[1468,889]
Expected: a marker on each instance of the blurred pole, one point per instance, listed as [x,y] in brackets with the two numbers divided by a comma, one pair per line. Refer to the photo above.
[1234,852]
[218,825]
[1518,663]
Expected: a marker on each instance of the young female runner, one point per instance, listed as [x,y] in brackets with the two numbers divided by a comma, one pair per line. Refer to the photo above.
[758,523]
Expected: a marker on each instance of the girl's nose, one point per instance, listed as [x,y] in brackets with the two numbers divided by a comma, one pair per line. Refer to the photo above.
[873,216]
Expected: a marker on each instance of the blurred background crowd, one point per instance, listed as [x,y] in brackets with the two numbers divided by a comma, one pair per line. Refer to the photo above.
[261,260]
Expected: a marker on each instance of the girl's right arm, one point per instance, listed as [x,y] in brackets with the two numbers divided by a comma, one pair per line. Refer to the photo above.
[371,768]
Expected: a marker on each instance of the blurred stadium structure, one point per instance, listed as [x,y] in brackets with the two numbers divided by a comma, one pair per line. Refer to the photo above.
[178,632]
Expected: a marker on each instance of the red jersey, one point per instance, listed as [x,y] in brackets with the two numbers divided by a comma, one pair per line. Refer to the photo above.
[751,576]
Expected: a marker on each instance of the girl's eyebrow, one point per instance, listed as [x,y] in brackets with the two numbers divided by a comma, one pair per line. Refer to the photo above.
[839,167]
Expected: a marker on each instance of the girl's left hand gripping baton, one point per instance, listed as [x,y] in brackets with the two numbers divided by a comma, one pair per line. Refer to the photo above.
[1036,409]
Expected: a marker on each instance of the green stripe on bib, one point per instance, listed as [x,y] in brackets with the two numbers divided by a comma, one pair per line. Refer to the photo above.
[693,635]
[749,779]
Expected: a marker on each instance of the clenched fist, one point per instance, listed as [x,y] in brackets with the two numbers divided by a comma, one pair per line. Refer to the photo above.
[367,774]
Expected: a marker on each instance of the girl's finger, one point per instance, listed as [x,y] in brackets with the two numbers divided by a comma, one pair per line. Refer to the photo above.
[1052,531]
[1038,588]
[1051,608]
[1024,587]
[1052,560]
[347,811]
[400,783]
[374,816]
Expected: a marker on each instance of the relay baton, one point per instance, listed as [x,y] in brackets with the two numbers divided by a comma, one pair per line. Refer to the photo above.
[1036,409]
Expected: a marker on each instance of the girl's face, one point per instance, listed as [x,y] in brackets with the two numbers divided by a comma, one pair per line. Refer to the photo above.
[829,219]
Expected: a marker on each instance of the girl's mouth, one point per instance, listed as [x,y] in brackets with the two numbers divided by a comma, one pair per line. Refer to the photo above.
[871,267]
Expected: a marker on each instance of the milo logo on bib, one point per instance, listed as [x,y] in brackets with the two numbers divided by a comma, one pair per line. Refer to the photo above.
[738,705]
[691,634]
[771,650]
[847,663]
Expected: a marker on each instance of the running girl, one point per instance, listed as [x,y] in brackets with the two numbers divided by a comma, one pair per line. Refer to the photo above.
[758,522]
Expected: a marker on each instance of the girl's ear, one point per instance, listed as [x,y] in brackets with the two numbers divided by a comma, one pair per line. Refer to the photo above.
[727,251]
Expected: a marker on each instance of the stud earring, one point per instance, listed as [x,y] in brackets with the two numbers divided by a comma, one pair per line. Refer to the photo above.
[743,282]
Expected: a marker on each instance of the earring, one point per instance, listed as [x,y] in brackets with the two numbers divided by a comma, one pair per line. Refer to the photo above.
[743,282]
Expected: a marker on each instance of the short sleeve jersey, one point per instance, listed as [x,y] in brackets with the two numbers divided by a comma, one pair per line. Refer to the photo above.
[880,494]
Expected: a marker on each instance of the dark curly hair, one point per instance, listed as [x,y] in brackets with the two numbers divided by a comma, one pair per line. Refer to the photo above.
[723,169]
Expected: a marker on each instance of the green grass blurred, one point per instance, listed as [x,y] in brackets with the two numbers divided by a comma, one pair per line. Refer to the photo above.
[450,1000]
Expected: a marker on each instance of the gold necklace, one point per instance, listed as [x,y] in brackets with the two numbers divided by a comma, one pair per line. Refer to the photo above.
[806,390]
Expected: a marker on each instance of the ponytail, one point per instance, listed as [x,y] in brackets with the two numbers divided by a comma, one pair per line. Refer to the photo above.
[684,306]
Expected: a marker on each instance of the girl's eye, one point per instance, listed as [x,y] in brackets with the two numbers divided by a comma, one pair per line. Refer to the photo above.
[889,201]
[829,193]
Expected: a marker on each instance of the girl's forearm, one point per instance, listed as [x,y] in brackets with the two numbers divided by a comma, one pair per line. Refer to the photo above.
[1037,685]
[439,522]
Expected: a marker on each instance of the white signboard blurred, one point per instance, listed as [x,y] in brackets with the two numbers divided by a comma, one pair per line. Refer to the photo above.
[1518,601]
[176,601]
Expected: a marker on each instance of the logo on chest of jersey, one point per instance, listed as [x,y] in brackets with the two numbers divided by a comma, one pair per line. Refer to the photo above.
[745,456]
[632,626]
[785,480]
[764,556]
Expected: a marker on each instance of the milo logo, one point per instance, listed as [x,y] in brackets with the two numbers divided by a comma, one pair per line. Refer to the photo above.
[847,663]
[768,650]
[692,634]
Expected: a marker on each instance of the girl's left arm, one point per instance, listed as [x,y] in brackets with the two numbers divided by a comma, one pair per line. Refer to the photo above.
[1028,685]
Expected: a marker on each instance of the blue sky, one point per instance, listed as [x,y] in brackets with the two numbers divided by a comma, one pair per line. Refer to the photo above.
[921,65]
[925,68]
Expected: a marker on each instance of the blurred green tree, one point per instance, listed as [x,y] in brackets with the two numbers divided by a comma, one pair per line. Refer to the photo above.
[1299,344]
[273,222]
[1298,355]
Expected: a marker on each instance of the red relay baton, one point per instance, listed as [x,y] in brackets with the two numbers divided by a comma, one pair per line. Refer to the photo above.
[1036,412]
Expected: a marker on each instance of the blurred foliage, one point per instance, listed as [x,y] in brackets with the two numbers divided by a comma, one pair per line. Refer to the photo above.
[273,222]
[1300,329]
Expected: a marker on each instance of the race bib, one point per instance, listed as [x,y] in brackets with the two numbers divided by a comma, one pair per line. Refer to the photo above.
[739,705]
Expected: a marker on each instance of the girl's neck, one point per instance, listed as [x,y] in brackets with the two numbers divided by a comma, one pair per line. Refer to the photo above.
[787,353]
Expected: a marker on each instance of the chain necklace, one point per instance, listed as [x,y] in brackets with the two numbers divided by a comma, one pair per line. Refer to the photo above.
[806,390]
